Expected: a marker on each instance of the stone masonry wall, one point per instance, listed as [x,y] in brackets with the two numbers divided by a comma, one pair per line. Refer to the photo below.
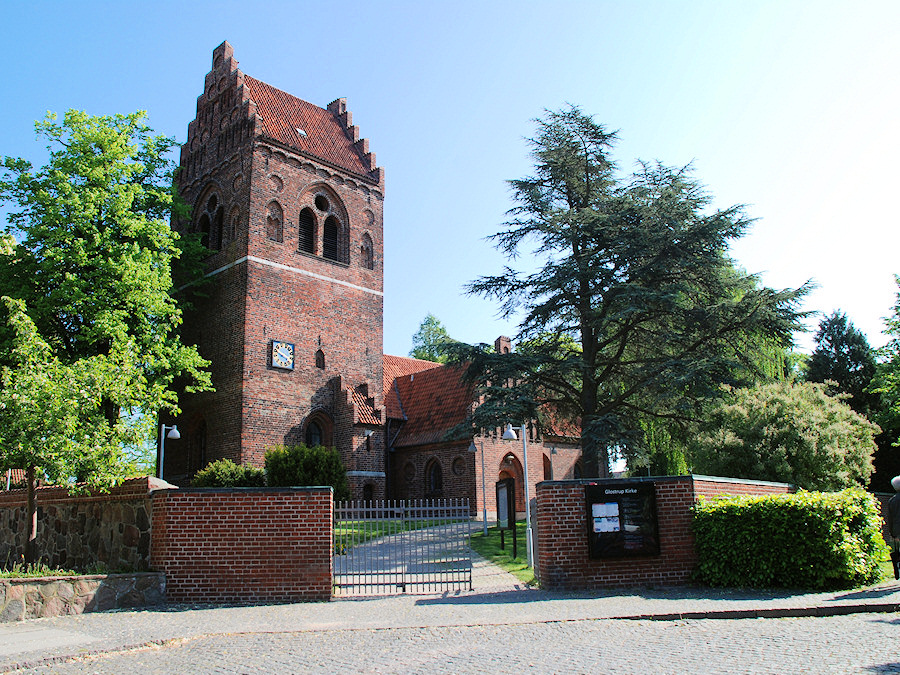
[562,543]
[97,530]
[43,597]
[243,545]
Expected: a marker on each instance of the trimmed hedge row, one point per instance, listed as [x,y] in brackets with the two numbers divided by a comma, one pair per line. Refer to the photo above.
[814,540]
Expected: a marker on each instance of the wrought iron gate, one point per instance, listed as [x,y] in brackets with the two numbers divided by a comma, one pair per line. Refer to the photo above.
[387,547]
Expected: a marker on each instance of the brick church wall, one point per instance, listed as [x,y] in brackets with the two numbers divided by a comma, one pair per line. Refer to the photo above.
[262,287]
[458,465]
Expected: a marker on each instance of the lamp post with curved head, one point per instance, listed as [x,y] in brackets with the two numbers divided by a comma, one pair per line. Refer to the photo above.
[473,448]
[510,435]
[174,435]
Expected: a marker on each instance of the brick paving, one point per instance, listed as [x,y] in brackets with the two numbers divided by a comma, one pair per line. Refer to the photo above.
[500,626]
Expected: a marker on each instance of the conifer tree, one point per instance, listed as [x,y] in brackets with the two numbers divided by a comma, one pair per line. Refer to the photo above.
[635,271]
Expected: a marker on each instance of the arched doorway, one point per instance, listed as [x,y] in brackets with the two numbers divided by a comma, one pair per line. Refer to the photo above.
[511,467]
[434,480]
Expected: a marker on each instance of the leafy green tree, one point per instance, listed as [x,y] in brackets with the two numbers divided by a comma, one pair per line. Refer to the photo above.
[788,432]
[634,271]
[431,340]
[843,356]
[88,255]
[52,415]
[94,251]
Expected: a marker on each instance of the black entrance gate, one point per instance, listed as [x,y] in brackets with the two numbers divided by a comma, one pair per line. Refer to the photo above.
[389,547]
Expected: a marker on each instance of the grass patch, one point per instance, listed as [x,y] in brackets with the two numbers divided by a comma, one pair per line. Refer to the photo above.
[489,548]
[25,571]
[350,533]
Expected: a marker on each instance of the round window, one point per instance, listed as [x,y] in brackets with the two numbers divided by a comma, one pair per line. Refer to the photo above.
[459,466]
[321,202]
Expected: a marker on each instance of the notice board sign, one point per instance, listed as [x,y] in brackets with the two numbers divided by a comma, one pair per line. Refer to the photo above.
[506,503]
[622,519]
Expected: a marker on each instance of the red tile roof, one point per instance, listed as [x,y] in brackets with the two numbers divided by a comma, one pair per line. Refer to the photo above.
[399,366]
[365,411]
[325,136]
[435,401]
[432,399]
[16,476]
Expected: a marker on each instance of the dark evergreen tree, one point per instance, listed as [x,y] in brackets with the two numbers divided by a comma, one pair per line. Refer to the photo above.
[843,356]
[633,272]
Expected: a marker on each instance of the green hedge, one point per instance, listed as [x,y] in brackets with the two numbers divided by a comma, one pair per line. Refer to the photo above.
[814,540]
[293,465]
[225,473]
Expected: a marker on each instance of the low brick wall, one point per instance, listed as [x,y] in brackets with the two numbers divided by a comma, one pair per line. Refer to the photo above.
[110,529]
[243,545]
[43,597]
[562,556]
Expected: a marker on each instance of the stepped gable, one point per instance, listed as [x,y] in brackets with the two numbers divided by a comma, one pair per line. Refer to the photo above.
[435,401]
[311,130]
[366,413]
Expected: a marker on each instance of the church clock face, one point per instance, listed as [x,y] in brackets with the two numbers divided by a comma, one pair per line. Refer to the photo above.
[282,355]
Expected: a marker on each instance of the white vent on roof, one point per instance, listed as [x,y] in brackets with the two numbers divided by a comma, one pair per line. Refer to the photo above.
[302,133]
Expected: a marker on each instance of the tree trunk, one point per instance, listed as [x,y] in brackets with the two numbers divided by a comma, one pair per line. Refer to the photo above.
[595,455]
[31,552]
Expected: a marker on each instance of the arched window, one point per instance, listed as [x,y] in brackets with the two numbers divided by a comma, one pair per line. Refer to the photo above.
[434,480]
[314,434]
[330,234]
[318,430]
[307,231]
[210,223]
[274,222]
[320,359]
[548,468]
[367,252]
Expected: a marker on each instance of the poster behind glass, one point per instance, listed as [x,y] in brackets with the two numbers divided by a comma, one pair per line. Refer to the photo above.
[506,503]
[622,519]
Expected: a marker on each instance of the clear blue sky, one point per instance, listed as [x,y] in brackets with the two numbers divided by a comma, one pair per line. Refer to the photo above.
[788,107]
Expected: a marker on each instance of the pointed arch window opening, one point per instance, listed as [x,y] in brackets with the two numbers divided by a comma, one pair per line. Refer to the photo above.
[210,223]
[275,222]
[367,252]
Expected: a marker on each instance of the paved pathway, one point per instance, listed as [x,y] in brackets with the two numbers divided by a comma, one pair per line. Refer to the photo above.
[499,626]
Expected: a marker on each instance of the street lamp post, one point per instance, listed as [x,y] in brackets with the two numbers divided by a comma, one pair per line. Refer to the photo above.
[472,448]
[510,435]
[174,435]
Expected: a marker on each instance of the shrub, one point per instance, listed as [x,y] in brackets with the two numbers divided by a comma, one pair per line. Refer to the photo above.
[809,540]
[225,473]
[791,432]
[299,465]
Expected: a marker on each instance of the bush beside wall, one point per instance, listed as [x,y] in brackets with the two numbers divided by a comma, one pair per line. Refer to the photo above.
[809,540]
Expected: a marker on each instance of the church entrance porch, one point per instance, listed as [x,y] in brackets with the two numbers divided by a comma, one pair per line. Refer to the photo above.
[393,547]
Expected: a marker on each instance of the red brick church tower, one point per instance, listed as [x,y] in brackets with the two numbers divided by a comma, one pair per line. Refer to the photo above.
[289,199]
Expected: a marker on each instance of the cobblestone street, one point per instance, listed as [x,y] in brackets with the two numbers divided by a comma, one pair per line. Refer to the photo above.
[858,643]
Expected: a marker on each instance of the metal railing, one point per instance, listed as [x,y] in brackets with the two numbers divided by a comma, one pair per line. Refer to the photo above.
[388,547]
